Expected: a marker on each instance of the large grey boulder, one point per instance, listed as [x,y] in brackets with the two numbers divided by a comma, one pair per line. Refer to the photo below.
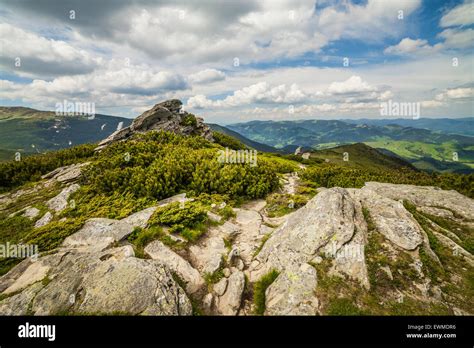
[322,226]
[93,282]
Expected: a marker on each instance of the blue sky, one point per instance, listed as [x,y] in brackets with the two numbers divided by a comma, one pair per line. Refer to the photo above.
[127,56]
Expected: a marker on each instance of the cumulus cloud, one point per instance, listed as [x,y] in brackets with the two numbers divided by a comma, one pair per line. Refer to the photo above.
[354,84]
[38,56]
[261,92]
[207,76]
[410,46]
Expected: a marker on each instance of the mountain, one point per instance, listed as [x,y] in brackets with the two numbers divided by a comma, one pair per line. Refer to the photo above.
[250,143]
[446,152]
[30,131]
[157,220]
[462,126]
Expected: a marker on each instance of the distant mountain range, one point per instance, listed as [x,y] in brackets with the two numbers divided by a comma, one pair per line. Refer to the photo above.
[462,126]
[430,147]
[424,148]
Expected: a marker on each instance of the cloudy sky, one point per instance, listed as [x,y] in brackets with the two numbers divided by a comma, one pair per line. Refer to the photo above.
[233,61]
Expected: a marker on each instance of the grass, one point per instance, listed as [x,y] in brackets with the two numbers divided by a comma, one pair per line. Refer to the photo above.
[141,237]
[259,289]
[262,243]
[279,204]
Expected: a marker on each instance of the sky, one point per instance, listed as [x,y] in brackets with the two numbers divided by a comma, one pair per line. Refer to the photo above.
[236,61]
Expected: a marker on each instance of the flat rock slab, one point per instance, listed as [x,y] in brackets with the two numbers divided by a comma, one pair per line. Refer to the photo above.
[98,234]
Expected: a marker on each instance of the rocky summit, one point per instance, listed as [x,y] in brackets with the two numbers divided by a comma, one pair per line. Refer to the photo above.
[165,116]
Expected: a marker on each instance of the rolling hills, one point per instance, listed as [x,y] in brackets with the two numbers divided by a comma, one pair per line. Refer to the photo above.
[426,149]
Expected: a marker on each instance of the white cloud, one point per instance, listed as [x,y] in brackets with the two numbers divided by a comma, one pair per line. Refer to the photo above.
[354,84]
[260,92]
[460,15]
[457,38]
[40,56]
[409,46]
[207,76]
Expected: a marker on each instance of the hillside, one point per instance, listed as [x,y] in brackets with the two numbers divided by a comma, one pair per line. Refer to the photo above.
[152,221]
[361,156]
[413,144]
[30,131]
[250,143]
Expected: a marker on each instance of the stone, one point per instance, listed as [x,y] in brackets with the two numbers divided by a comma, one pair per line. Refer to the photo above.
[293,293]
[229,303]
[220,287]
[59,203]
[323,225]
[392,219]
[214,217]
[98,234]
[160,252]
[206,256]
[208,302]
[31,212]
[66,174]
[104,282]
[426,196]
[140,219]
[34,273]
[45,219]
[226,272]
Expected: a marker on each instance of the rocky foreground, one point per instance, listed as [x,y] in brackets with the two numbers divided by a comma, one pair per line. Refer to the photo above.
[96,271]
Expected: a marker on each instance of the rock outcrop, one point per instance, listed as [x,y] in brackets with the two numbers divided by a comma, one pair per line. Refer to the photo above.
[165,116]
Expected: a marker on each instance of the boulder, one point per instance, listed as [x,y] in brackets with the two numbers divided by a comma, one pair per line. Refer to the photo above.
[59,203]
[293,292]
[229,303]
[160,252]
[45,219]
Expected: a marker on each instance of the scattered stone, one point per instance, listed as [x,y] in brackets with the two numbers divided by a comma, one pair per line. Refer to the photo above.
[214,217]
[46,219]
[59,203]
